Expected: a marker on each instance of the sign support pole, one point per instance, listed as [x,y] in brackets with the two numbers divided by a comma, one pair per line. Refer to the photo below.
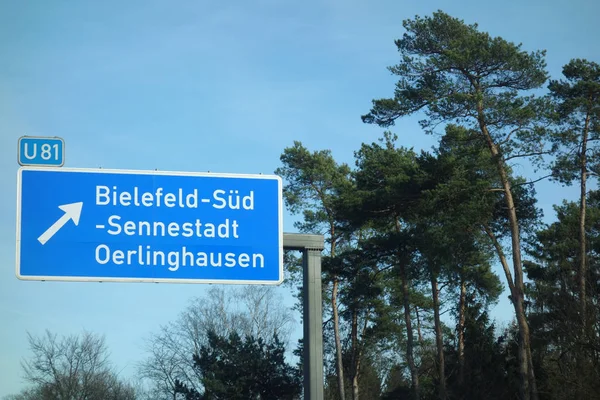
[311,247]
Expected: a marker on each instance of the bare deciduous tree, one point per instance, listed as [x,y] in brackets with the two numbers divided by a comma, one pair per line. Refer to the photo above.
[71,368]
[250,310]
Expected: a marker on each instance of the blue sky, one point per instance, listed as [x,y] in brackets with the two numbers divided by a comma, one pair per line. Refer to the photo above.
[207,85]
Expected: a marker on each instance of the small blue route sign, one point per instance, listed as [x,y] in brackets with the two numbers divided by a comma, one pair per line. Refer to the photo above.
[148,226]
[41,151]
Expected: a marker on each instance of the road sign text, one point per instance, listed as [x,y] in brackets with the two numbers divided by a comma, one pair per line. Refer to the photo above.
[41,151]
[149,226]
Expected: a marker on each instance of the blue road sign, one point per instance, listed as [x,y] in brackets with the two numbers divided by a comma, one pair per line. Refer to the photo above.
[41,151]
[148,226]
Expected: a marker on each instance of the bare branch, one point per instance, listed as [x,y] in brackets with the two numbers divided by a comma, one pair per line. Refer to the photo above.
[533,154]
[73,367]
[533,181]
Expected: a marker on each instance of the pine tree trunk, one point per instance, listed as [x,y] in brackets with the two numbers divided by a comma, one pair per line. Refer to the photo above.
[339,365]
[355,356]
[518,299]
[355,387]
[338,343]
[419,334]
[582,236]
[513,293]
[414,374]
[581,273]
[439,340]
[527,387]
[461,332]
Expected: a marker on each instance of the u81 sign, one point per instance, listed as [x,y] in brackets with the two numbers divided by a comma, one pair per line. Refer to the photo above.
[41,151]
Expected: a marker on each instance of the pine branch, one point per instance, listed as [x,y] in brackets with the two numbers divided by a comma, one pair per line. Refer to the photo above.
[521,155]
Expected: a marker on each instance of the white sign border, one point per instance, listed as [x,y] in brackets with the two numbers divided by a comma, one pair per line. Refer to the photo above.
[146,172]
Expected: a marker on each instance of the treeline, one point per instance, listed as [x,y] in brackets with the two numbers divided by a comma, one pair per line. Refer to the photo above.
[412,238]
[229,343]
[412,235]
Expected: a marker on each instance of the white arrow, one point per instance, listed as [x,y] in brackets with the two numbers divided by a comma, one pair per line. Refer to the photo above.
[72,211]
